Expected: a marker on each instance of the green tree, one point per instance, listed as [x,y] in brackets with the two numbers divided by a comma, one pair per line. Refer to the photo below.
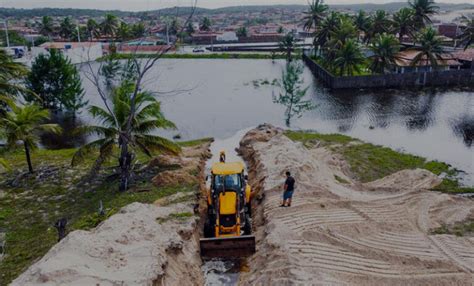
[317,10]
[190,28]
[362,21]
[138,30]
[280,30]
[242,32]
[404,22]
[10,74]
[467,35]
[93,29]
[287,45]
[379,23]
[148,118]
[423,10]
[205,24]
[349,58]
[67,29]
[24,124]
[110,25]
[328,25]
[385,48]
[174,27]
[14,38]
[430,47]
[123,32]
[292,95]
[57,83]
[46,26]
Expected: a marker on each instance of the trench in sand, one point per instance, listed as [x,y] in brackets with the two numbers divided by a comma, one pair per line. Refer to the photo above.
[218,271]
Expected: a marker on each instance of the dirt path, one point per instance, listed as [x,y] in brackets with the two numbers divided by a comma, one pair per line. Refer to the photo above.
[349,234]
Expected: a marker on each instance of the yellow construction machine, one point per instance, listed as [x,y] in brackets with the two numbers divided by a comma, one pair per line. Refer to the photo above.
[228,225]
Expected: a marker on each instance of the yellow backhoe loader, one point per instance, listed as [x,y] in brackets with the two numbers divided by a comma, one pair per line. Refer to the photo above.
[228,226]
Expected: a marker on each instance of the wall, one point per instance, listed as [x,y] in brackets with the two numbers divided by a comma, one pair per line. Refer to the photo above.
[436,78]
[77,55]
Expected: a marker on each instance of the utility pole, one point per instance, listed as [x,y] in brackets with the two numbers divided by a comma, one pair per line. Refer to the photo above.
[78,34]
[6,33]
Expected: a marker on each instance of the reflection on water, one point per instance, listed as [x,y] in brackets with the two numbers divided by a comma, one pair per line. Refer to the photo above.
[217,101]
[69,138]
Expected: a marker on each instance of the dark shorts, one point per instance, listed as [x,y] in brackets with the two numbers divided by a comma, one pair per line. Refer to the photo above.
[287,195]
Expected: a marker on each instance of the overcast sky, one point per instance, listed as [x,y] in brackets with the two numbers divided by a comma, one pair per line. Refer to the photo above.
[140,5]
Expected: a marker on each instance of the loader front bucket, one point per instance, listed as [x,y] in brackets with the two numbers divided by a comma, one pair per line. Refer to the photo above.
[237,246]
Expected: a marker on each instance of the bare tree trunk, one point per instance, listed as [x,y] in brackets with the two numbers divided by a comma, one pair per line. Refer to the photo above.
[125,164]
[28,158]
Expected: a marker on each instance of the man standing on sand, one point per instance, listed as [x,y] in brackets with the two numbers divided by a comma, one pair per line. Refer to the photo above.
[288,190]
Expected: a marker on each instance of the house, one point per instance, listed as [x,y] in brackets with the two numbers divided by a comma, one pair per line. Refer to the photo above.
[465,57]
[450,30]
[405,59]
[77,52]
[228,36]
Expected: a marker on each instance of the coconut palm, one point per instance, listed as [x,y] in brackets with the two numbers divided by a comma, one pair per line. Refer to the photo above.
[385,50]
[328,25]
[403,22]
[344,31]
[148,119]
[93,29]
[205,24]
[362,21]
[315,14]
[349,58]
[46,26]
[429,46]
[379,23]
[467,35]
[287,45]
[67,28]
[110,25]
[10,73]
[24,124]
[423,10]
[123,32]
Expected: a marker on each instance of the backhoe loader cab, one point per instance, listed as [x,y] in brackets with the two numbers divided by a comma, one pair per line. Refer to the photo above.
[228,225]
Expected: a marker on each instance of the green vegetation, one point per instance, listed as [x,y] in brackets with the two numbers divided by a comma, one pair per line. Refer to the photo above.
[193,143]
[340,180]
[370,162]
[460,229]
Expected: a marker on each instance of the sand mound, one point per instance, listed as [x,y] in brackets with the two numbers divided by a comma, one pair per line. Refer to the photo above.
[130,248]
[349,233]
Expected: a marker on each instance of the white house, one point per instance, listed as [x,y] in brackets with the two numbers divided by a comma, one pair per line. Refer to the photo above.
[227,37]
[77,52]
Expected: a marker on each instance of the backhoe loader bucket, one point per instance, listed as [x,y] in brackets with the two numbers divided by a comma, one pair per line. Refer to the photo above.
[237,246]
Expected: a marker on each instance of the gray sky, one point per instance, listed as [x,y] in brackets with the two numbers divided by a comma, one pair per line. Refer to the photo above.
[140,5]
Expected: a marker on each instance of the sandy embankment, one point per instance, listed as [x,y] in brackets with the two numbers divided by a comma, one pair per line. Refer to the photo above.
[349,234]
[140,245]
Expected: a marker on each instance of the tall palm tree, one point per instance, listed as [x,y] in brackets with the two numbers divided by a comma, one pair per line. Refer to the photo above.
[148,119]
[110,25]
[467,35]
[123,32]
[315,14]
[430,47]
[344,31]
[404,22]
[46,26]
[385,50]
[328,25]
[287,45]
[10,73]
[362,22]
[379,23]
[205,24]
[423,10]
[93,29]
[67,28]
[25,124]
[349,58]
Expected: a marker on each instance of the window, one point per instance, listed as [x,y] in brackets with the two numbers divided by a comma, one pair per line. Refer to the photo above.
[230,181]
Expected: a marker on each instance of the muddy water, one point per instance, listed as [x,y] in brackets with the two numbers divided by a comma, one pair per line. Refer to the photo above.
[224,271]
[216,98]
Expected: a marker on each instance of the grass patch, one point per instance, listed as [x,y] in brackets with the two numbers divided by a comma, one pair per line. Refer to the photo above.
[30,207]
[341,180]
[465,228]
[193,143]
[370,162]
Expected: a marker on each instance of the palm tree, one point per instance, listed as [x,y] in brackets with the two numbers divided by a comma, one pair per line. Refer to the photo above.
[430,48]
[24,124]
[315,14]
[404,22]
[467,35]
[148,119]
[328,25]
[110,25]
[205,25]
[123,32]
[379,23]
[242,32]
[349,58]
[10,73]
[93,29]
[385,50]
[287,45]
[423,10]
[66,28]
[344,31]
[362,21]
[46,26]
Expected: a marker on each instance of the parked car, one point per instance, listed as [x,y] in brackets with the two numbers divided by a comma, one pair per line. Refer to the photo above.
[199,50]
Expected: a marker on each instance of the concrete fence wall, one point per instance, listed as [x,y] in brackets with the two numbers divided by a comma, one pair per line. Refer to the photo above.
[436,78]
